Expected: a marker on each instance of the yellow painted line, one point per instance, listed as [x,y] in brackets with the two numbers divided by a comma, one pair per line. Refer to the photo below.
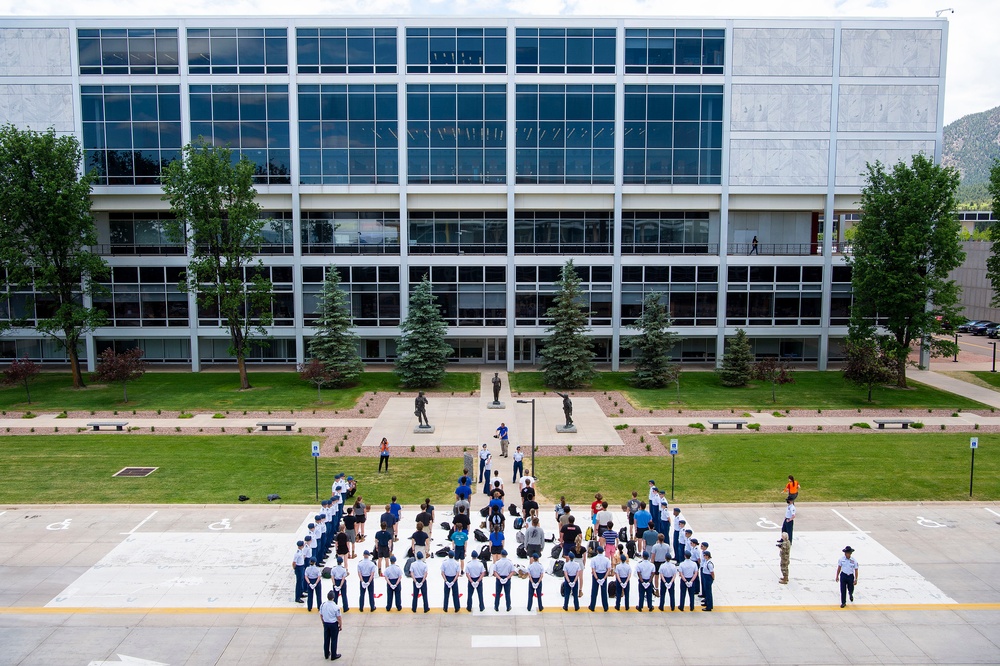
[44,610]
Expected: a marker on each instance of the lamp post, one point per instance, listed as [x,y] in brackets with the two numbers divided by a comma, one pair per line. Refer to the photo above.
[994,357]
[957,336]
[534,472]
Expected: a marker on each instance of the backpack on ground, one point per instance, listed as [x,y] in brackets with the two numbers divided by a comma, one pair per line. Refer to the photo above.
[556,552]
[520,537]
[623,535]
[446,526]
[443,552]
[518,523]
[549,538]
[592,547]
[327,573]
[522,552]
[513,509]
[406,566]
[480,536]
[557,568]
[630,547]
[485,511]
[613,588]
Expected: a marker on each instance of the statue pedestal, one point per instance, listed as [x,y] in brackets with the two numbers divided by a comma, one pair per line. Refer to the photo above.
[496,405]
[565,428]
[423,430]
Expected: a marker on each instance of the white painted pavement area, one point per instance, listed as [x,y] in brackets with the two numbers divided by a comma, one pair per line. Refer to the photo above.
[221,568]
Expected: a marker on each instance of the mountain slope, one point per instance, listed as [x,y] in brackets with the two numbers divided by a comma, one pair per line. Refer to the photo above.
[971,143]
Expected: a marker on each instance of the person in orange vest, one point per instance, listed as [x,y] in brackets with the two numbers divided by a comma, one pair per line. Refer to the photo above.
[383,455]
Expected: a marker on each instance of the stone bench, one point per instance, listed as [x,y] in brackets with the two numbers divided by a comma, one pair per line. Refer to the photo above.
[287,425]
[739,423]
[904,423]
[117,425]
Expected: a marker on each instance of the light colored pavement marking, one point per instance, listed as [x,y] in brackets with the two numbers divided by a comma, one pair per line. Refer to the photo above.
[132,531]
[927,522]
[222,525]
[64,525]
[849,522]
[767,524]
[993,512]
[501,641]
[125,659]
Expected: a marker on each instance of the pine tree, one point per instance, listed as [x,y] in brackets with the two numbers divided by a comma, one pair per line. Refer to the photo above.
[422,353]
[653,368]
[737,364]
[335,345]
[568,356]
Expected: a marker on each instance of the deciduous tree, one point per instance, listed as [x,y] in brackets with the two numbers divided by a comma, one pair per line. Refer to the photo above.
[115,368]
[866,362]
[774,370]
[214,202]
[21,371]
[317,374]
[46,235]
[993,261]
[905,247]
[335,345]
[568,354]
[737,363]
[653,368]
[422,353]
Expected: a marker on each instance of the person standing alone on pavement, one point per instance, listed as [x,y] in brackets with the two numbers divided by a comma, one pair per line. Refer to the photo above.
[504,436]
[333,622]
[788,525]
[383,455]
[847,574]
[786,553]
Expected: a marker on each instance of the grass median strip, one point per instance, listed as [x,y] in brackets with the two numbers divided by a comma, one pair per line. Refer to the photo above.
[811,390]
[710,468]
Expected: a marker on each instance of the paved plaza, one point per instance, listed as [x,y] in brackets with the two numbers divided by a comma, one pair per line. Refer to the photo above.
[176,584]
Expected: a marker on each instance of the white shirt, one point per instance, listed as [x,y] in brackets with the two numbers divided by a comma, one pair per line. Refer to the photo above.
[393,573]
[667,572]
[518,456]
[366,568]
[503,568]
[707,567]
[790,512]
[338,573]
[418,570]
[450,567]
[474,569]
[483,452]
[299,558]
[524,479]
[571,570]
[600,564]
[623,571]
[665,511]
[848,565]
[312,572]
[329,612]
[603,517]
[652,494]
[645,569]
[535,570]
[688,569]
[677,522]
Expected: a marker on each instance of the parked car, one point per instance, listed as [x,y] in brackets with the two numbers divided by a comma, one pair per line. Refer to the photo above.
[981,327]
[993,331]
[946,324]
[967,326]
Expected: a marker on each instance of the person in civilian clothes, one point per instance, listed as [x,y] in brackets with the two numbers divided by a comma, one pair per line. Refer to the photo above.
[459,538]
[788,525]
[393,585]
[688,574]
[314,585]
[350,527]
[299,568]
[397,514]
[642,520]
[660,553]
[333,622]
[847,574]
[496,542]
[707,580]
[644,571]
[502,571]
[623,574]
[668,576]
[383,546]
[449,572]
[344,544]
[631,506]
[535,574]
[572,575]
[518,463]
[475,572]
[419,541]
[600,565]
[609,540]
[338,580]
[360,516]
[366,581]
[383,455]
[418,571]
[504,436]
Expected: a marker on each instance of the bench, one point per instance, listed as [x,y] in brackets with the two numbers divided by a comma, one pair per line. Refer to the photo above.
[739,423]
[117,425]
[287,425]
[904,423]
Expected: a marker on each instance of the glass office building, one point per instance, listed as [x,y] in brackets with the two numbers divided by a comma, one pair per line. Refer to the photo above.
[717,162]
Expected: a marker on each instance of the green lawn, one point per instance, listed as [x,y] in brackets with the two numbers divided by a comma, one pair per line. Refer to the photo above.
[710,468]
[991,378]
[811,390]
[208,391]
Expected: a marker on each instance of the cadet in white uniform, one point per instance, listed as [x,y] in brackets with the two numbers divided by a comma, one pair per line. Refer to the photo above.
[623,574]
[449,572]
[338,579]
[847,574]
[688,571]
[503,569]
[644,573]
[668,575]
[418,571]
[393,585]
[535,574]
[475,572]
[600,565]
[571,588]
[366,583]
[333,622]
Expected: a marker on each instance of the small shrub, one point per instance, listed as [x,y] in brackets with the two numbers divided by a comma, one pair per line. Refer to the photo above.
[223,429]
[116,412]
[788,411]
[361,411]
[942,426]
[862,424]
[616,403]
[412,448]
[437,449]
[819,411]
[300,430]
[954,414]
[930,411]
[753,426]
[778,414]
[788,428]
[336,449]
[218,416]
[536,448]
[606,447]
[819,427]
[359,449]
[177,428]
[569,447]
[152,428]
[249,429]
[200,430]
[621,426]
[696,426]
[918,425]
[747,415]
[185,415]
[634,431]
[158,412]
[63,415]
[244,412]
[642,438]
[91,412]
[649,447]
[621,411]
[651,411]
[78,429]
[859,410]
[29,415]
[269,412]
[55,429]
[323,429]
[32,430]
[133,412]
[670,429]
[975,427]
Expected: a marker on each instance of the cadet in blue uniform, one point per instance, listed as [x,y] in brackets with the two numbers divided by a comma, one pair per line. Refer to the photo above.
[668,575]
[418,571]
[314,585]
[707,579]
[475,572]
[535,574]
[599,567]
[847,574]
[338,581]
[366,582]
[503,569]
[571,587]
[449,572]
[299,568]
[688,571]
[393,585]
[623,574]
[644,573]
[333,622]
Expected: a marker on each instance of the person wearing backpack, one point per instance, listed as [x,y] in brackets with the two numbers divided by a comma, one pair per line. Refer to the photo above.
[631,506]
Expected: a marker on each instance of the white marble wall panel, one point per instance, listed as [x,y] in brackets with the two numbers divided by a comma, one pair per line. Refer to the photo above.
[34,52]
[781,108]
[782,52]
[890,53]
[779,162]
[38,106]
[888,108]
[853,155]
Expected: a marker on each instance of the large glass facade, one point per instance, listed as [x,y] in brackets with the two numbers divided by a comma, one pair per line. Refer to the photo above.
[673,134]
[237,50]
[691,293]
[456,133]
[130,132]
[536,287]
[565,134]
[467,295]
[350,232]
[774,295]
[458,232]
[373,292]
[346,50]
[348,134]
[456,50]
[144,296]
[566,50]
[128,50]
[250,119]
[667,51]
[282,298]
[667,232]
[142,233]
[567,232]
